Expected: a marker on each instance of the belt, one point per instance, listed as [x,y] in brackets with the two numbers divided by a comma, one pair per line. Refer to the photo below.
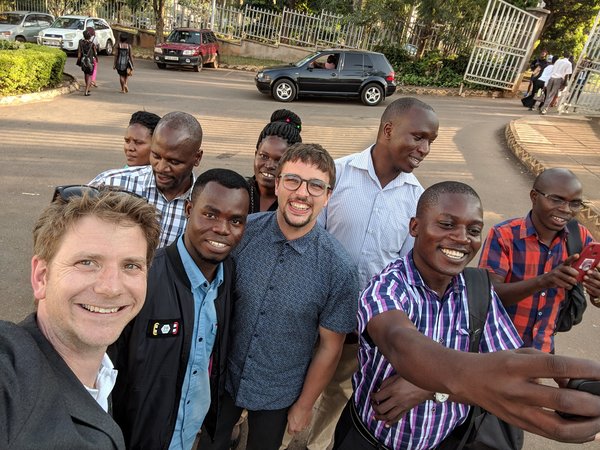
[362,430]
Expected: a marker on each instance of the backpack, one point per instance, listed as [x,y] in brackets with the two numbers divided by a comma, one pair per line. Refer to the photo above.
[573,306]
[87,60]
[481,430]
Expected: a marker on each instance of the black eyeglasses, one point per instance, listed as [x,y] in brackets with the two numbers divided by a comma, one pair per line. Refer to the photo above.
[555,200]
[314,186]
[64,193]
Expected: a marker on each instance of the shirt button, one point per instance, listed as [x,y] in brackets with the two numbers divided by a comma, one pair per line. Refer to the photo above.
[433,409]
[187,403]
[539,313]
[271,288]
[199,339]
[543,294]
[256,335]
[262,313]
[281,260]
[195,372]
[440,340]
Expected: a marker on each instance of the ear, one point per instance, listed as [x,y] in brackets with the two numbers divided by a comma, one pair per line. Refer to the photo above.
[413,226]
[533,195]
[39,277]
[387,130]
[198,157]
[277,180]
[329,192]
[188,208]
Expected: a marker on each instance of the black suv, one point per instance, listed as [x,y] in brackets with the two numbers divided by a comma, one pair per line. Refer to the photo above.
[333,73]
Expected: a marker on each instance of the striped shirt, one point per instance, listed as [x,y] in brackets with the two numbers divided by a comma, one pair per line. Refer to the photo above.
[513,251]
[371,222]
[445,320]
[141,181]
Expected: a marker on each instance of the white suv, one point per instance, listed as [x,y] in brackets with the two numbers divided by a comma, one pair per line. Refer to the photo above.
[66,31]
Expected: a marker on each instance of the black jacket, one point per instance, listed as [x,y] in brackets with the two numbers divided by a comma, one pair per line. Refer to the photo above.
[152,354]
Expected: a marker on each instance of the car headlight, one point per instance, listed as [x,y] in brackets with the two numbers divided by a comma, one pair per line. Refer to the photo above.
[5,33]
[188,52]
[41,33]
[70,36]
[261,76]
[158,50]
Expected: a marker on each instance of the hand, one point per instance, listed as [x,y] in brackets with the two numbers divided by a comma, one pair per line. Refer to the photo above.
[562,276]
[591,283]
[507,383]
[395,398]
[298,418]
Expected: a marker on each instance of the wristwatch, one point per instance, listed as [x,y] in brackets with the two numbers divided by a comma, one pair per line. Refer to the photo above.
[440,397]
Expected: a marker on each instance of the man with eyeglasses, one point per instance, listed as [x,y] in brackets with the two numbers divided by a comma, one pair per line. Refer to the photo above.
[88,274]
[295,287]
[528,261]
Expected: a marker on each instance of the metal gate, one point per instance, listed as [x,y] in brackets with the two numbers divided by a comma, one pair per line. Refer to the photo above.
[506,35]
[584,84]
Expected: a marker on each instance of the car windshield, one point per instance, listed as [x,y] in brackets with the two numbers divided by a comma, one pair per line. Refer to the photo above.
[305,59]
[184,37]
[11,19]
[70,23]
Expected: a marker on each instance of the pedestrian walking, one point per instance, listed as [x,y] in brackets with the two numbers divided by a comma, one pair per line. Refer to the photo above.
[97,45]
[123,62]
[86,54]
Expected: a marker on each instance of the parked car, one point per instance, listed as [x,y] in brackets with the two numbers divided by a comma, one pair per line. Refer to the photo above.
[188,47]
[331,73]
[23,25]
[66,31]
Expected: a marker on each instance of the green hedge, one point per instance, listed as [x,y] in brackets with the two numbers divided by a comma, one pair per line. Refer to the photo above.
[29,67]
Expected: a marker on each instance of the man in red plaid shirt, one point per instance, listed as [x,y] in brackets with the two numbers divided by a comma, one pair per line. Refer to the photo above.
[528,261]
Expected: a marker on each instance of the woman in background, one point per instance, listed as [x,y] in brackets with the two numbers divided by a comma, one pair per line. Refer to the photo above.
[96,43]
[138,137]
[123,62]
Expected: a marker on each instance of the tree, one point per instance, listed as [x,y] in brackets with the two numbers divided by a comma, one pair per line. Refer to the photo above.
[158,6]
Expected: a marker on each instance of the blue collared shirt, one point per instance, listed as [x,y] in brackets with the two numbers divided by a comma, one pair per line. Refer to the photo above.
[195,392]
[371,222]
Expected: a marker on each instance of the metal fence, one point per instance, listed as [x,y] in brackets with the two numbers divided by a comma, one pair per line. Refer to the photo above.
[505,37]
[584,85]
[287,27]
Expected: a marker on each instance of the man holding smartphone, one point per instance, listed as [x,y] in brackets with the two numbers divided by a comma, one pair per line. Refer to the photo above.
[528,260]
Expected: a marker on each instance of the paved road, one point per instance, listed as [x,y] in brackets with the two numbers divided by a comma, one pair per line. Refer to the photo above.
[72,138]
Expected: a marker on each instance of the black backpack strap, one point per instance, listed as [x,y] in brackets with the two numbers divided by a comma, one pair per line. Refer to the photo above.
[478,298]
[574,244]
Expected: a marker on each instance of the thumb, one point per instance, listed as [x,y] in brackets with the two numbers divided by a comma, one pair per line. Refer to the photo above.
[571,259]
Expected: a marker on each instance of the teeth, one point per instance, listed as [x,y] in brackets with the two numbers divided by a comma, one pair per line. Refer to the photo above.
[217,244]
[415,161]
[454,254]
[560,219]
[300,206]
[267,175]
[97,309]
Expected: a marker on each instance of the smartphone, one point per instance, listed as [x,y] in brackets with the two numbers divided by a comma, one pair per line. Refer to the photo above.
[588,259]
[590,386]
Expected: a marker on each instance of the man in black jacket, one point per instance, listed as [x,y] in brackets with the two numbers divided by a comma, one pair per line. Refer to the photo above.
[171,358]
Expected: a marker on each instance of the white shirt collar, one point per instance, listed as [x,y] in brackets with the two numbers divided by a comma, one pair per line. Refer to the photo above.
[105,382]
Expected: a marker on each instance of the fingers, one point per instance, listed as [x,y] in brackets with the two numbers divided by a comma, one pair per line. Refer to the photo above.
[392,416]
[571,259]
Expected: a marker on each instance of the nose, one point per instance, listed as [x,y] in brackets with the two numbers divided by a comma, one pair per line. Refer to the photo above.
[460,235]
[161,166]
[109,282]
[425,147]
[303,188]
[221,227]
[271,164]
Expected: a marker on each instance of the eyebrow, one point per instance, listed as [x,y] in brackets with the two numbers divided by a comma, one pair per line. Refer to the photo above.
[457,218]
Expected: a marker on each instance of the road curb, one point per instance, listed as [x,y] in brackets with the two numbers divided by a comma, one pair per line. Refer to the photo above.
[68,86]
[589,216]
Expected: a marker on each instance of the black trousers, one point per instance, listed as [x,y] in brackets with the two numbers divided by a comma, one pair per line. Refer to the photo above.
[265,428]
[348,437]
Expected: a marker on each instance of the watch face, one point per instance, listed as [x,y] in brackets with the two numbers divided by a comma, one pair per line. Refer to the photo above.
[440,397]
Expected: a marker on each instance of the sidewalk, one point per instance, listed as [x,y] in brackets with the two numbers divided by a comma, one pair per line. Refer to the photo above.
[541,142]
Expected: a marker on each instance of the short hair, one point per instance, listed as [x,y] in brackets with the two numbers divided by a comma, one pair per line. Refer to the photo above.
[115,207]
[225,177]
[91,31]
[401,105]
[553,173]
[284,124]
[123,37]
[432,194]
[184,121]
[145,119]
[313,154]
[86,35]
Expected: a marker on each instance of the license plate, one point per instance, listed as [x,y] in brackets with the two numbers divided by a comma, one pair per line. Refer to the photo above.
[52,43]
[172,58]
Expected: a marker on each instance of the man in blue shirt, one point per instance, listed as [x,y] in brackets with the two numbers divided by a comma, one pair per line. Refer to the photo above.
[172,358]
[296,298]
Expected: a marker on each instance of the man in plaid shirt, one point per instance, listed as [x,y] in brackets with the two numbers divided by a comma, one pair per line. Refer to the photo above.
[167,182]
[528,261]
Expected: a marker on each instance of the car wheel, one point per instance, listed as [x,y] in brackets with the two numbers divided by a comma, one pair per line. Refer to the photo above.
[161,65]
[109,48]
[372,94]
[20,39]
[284,91]
[198,67]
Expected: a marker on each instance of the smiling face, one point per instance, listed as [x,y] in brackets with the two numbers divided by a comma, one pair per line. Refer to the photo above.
[136,145]
[173,157]
[94,285]
[266,160]
[298,210]
[404,141]
[216,222]
[549,217]
[447,237]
